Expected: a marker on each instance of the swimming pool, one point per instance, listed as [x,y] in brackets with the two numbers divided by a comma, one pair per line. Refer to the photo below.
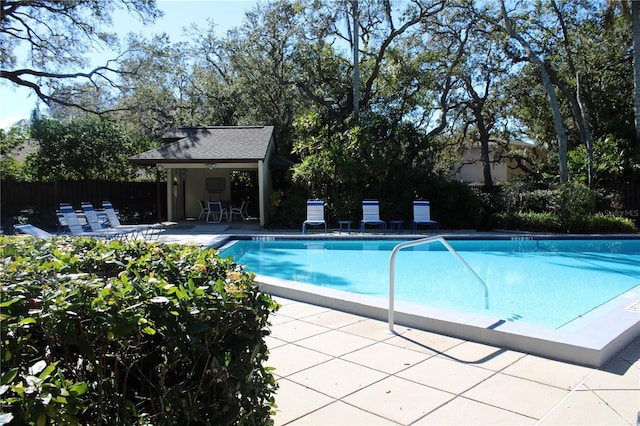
[534,284]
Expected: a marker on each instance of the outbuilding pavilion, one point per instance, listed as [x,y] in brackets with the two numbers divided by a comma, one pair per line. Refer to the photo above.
[199,162]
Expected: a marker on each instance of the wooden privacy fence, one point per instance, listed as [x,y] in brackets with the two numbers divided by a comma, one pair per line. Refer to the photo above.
[142,199]
[631,202]
[149,199]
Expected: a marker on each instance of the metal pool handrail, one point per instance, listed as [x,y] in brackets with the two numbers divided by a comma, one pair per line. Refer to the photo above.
[421,241]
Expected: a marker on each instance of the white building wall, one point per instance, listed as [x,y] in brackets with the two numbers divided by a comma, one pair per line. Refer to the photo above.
[472,168]
[196,190]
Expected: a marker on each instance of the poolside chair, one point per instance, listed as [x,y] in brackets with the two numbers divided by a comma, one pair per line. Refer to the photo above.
[203,210]
[33,231]
[146,231]
[371,215]
[67,217]
[226,205]
[216,210]
[422,216]
[94,222]
[240,211]
[76,229]
[63,225]
[63,228]
[315,215]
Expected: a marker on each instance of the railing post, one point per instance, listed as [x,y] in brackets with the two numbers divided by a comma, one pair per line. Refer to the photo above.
[392,288]
[421,241]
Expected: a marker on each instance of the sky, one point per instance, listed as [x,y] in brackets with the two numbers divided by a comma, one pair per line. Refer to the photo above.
[17,103]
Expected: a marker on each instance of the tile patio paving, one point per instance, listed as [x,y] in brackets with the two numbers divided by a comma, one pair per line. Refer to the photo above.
[335,368]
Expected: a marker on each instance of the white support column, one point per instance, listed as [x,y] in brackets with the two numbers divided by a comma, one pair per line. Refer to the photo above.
[170,199]
[261,192]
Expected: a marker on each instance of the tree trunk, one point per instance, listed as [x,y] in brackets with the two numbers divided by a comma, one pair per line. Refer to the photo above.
[356,61]
[486,161]
[588,143]
[561,134]
[635,31]
[577,106]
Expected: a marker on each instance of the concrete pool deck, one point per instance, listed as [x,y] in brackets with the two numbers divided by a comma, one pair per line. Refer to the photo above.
[336,368]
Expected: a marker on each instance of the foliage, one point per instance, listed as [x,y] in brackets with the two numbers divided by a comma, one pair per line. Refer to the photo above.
[615,162]
[57,37]
[562,208]
[12,169]
[601,223]
[380,159]
[86,148]
[549,222]
[521,195]
[377,157]
[592,78]
[455,205]
[12,142]
[283,63]
[288,208]
[130,333]
[573,204]
[536,200]
[529,221]
[153,98]
[433,76]
[244,186]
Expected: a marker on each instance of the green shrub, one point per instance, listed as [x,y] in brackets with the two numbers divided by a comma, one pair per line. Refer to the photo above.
[98,332]
[570,204]
[600,223]
[532,222]
[573,205]
[549,222]
[520,195]
[455,205]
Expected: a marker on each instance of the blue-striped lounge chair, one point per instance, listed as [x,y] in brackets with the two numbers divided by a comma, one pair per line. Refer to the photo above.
[422,216]
[315,215]
[146,231]
[32,230]
[70,217]
[371,215]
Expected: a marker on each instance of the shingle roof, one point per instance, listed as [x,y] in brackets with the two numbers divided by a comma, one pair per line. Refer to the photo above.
[207,144]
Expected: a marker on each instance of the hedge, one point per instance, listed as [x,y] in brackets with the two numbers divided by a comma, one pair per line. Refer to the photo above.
[97,332]
[549,222]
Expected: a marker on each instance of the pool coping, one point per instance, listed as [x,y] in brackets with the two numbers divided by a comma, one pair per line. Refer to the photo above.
[591,341]
[462,235]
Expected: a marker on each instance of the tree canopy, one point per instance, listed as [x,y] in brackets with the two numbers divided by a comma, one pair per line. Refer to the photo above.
[87,148]
[432,78]
[44,46]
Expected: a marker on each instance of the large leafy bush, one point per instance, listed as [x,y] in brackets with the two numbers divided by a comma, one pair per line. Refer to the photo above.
[112,333]
[563,208]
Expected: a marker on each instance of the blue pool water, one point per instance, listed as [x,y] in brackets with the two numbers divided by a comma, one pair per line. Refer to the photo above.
[544,282]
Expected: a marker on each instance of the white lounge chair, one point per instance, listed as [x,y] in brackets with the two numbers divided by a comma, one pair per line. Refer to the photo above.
[422,216]
[63,228]
[315,215]
[33,231]
[94,222]
[73,223]
[371,215]
[102,226]
[143,230]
